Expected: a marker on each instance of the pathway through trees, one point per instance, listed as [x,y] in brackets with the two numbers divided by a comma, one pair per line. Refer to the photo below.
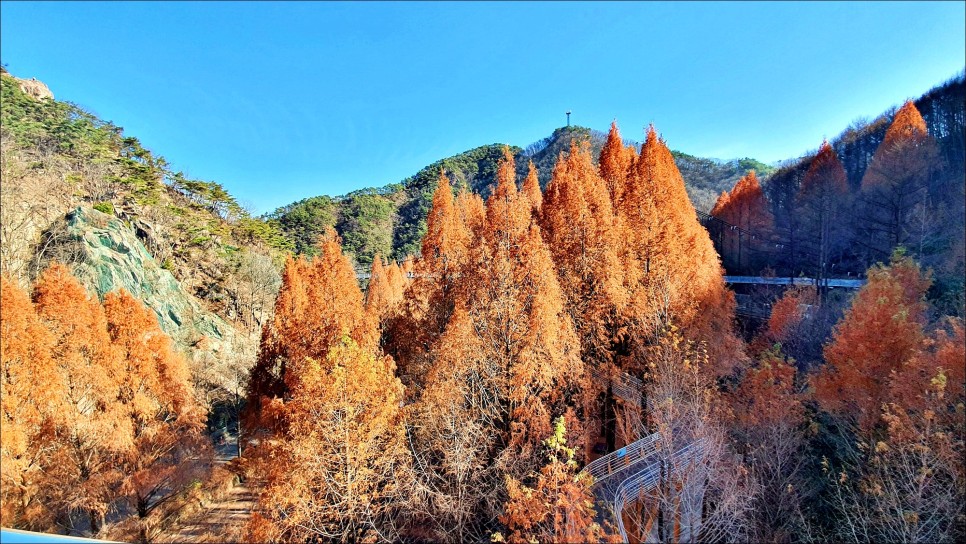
[221,521]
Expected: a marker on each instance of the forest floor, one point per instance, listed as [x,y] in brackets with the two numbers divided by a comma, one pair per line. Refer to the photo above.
[221,521]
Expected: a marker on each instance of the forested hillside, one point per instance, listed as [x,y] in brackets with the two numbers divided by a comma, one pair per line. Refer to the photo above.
[206,267]
[391,220]
[895,181]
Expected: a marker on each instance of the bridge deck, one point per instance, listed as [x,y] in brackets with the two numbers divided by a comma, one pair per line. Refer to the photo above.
[831,282]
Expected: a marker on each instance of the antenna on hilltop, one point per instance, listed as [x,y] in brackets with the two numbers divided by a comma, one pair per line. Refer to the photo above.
[568,118]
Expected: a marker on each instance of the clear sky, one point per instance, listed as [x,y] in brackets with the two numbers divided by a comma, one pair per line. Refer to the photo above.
[281,101]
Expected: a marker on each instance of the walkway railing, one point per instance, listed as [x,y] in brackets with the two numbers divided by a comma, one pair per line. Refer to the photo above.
[625,476]
[624,386]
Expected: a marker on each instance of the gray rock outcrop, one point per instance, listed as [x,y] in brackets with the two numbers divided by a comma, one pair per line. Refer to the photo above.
[107,255]
[35,88]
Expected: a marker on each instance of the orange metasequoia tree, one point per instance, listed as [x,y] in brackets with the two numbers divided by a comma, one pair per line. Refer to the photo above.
[531,188]
[721,204]
[516,307]
[385,290]
[792,326]
[671,270]
[431,295]
[909,390]
[332,451]
[579,227]
[507,363]
[746,208]
[895,188]
[880,331]
[769,417]
[170,448]
[318,302]
[822,201]
[31,397]
[581,230]
[93,431]
[614,164]
[339,468]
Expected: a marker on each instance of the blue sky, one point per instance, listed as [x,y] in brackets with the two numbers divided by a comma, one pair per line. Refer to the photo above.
[281,101]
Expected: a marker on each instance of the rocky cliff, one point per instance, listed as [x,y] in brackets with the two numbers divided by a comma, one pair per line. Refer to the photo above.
[107,255]
[35,88]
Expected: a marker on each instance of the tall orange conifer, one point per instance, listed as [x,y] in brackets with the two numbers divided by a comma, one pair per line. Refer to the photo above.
[318,303]
[614,164]
[896,183]
[338,471]
[581,230]
[379,293]
[721,204]
[30,392]
[94,430]
[822,203]
[507,363]
[332,445]
[672,271]
[531,188]
[432,294]
[769,417]
[170,447]
[747,208]
[882,329]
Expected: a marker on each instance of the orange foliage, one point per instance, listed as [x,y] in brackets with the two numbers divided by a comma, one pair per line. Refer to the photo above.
[97,408]
[767,396]
[907,124]
[385,290]
[96,423]
[560,506]
[531,188]
[300,329]
[444,246]
[398,280]
[332,441]
[933,378]
[580,229]
[915,464]
[514,302]
[826,175]
[336,472]
[721,204]
[507,363]
[168,424]
[672,272]
[746,208]
[614,163]
[882,330]
[450,228]
[897,181]
[29,395]
[787,314]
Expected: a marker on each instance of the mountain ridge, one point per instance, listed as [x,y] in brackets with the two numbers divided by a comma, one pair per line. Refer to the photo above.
[390,220]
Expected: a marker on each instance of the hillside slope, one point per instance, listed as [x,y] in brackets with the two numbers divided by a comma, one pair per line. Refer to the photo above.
[391,220]
[208,253]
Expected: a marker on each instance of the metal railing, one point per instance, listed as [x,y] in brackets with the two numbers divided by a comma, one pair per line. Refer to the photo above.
[625,387]
[634,488]
[618,461]
[624,476]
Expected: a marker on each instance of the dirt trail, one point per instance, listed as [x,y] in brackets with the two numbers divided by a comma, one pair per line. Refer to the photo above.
[222,521]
